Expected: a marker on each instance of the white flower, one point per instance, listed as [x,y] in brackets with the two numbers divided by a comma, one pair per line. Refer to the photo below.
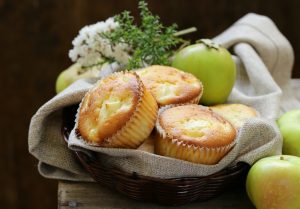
[90,48]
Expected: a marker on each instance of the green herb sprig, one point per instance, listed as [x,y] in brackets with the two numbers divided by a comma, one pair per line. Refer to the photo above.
[151,42]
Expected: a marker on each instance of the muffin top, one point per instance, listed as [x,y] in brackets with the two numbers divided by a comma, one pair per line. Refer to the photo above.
[107,107]
[196,125]
[169,85]
[237,114]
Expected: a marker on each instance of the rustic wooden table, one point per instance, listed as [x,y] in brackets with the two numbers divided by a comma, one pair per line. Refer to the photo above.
[94,196]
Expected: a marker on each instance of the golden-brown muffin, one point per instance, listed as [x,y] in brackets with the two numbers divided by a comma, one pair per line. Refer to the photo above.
[170,85]
[193,133]
[117,112]
[237,114]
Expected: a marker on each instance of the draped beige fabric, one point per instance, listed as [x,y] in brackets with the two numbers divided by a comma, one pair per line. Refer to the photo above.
[264,60]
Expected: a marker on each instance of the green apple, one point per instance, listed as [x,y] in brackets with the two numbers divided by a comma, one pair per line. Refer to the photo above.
[289,126]
[274,182]
[212,65]
[71,74]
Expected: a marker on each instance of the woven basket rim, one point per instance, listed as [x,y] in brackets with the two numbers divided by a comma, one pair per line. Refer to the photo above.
[86,159]
[166,191]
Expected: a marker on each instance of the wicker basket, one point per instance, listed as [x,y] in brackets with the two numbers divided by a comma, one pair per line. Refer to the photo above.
[175,191]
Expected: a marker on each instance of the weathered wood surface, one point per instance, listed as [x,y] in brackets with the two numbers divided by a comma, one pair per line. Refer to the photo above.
[94,196]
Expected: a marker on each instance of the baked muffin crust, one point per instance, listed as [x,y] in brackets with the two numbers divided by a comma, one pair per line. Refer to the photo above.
[193,133]
[110,108]
[197,125]
[170,85]
[237,114]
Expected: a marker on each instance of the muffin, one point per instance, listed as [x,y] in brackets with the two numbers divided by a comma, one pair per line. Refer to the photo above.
[117,112]
[171,86]
[193,133]
[237,114]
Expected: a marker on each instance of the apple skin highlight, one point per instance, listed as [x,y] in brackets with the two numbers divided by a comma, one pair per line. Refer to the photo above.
[214,67]
[274,183]
[72,74]
[289,126]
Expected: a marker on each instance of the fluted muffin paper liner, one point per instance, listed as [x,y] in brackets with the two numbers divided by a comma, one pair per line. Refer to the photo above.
[168,145]
[130,135]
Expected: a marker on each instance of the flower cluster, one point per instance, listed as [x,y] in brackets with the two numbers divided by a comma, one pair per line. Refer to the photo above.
[90,48]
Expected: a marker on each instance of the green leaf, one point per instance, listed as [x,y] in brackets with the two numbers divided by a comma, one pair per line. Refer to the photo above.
[151,42]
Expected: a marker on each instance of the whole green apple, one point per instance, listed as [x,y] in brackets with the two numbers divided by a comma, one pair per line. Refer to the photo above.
[71,74]
[274,183]
[212,65]
[289,126]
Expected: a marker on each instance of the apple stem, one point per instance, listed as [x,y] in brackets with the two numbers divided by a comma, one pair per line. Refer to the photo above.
[209,43]
[281,157]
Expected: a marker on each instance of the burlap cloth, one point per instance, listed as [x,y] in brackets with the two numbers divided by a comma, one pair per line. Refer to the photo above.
[264,60]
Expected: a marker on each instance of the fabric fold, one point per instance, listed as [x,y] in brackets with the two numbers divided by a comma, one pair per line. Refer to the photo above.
[272,47]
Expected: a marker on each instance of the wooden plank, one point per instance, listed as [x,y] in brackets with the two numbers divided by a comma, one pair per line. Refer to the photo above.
[94,196]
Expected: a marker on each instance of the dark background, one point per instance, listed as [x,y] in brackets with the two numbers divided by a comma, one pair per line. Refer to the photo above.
[35,37]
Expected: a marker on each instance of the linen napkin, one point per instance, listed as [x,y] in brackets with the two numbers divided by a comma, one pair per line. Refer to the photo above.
[264,60]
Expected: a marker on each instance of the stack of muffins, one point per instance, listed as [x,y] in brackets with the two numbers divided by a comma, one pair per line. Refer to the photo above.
[123,109]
